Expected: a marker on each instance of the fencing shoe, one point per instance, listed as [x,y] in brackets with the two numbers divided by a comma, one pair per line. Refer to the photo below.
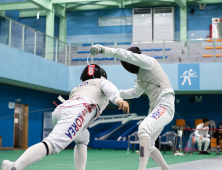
[200,153]
[8,165]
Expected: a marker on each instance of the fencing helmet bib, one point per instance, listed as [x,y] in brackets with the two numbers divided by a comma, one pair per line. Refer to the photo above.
[130,67]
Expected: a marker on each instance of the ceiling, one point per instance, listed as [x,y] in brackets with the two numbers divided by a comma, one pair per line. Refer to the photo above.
[107,4]
[73,5]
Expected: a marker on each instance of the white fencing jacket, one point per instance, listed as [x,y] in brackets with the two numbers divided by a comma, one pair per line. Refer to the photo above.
[202,133]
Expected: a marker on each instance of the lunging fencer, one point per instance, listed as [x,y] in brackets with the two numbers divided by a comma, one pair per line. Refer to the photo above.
[152,80]
[71,118]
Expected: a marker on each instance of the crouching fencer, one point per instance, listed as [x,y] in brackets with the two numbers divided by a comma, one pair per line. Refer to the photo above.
[71,118]
[152,80]
[202,136]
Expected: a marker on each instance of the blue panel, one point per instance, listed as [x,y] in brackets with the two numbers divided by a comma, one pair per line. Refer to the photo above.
[38,24]
[100,13]
[86,44]
[33,22]
[99,30]
[112,73]
[13,14]
[188,76]
[32,69]
[177,18]
[202,19]
[172,72]
[120,80]
[129,131]
[209,107]
[99,38]
[147,50]
[107,131]
[86,22]
[212,78]
[158,49]
[198,34]
[177,35]
[56,27]
[36,100]
[6,115]
[1,33]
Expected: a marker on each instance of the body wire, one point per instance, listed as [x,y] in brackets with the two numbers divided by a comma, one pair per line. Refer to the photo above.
[49,109]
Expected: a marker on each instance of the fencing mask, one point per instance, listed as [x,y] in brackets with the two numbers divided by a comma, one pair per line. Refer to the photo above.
[130,67]
[93,71]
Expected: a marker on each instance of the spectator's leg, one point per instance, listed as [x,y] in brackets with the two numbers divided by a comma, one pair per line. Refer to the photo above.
[218,144]
[207,143]
[192,147]
[164,149]
[199,142]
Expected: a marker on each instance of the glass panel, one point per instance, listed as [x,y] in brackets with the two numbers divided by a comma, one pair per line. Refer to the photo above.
[4,30]
[155,49]
[54,51]
[101,59]
[176,51]
[40,44]
[29,40]
[80,53]
[61,52]
[201,51]
[49,48]
[74,54]
[16,35]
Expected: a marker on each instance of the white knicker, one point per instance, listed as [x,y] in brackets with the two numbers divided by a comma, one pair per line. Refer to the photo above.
[204,140]
[70,123]
[160,116]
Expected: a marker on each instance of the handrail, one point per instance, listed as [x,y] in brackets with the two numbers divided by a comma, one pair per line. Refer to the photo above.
[32,28]
[48,48]
[60,51]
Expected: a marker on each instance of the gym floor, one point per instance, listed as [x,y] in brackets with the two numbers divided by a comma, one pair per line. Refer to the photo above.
[110,159]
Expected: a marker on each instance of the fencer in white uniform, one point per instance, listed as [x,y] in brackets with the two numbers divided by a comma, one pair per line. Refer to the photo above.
[152,80]
[71,118]
[202,136]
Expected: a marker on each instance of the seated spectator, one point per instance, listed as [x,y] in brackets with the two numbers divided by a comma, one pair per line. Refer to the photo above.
[201,136]
[218,136]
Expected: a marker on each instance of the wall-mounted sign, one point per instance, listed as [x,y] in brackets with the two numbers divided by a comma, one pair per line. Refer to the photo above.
[16,120]
[18,100]
[189,77]
[11,105]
